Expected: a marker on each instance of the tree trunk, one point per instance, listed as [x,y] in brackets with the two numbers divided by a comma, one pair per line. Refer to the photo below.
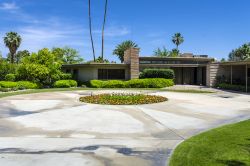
[103,27]
[12,58]
[90,31]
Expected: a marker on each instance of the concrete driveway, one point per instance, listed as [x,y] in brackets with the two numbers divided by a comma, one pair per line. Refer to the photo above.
[51,129]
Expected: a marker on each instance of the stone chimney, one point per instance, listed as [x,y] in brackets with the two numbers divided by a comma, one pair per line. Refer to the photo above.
[131,57]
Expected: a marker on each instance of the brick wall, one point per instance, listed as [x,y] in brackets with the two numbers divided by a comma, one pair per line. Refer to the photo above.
[131,57]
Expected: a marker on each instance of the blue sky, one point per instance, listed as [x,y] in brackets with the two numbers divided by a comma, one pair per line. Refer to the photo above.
[212,27]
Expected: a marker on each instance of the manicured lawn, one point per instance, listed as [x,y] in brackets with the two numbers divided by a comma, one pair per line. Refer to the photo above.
[76,89]
[188,91]
[6,94]
[224,146]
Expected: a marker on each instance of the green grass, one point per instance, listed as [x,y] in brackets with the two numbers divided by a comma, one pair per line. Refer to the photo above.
[188,91]
[224,146]
[7,94]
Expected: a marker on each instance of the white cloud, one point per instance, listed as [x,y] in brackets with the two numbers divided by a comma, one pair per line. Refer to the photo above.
[114,31]
[9,6]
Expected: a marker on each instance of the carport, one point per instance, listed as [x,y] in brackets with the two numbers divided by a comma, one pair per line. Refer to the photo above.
[237,73]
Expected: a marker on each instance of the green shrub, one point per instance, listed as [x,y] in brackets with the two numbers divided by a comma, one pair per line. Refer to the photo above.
[113,84]
[26,85]
[66,76]
[8,84]
[150,83]
[135,83]
[72,83]
[96,84]
[232,87]
[10,77]
[158,73]
[65,84]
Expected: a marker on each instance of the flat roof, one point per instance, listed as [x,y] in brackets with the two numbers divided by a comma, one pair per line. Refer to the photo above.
[96,64]
[177,58]
[235,63]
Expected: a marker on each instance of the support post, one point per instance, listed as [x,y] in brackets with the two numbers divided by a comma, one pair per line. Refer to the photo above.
[231,74]
[246,78]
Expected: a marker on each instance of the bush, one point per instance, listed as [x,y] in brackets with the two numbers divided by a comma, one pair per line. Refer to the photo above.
[136,83]
[6,68]
[96,84]
[158,73]
[10,77]
[150,83]
[113,84]
[27,85]
[8,84]
[66,76]
[65,84]
[232,87]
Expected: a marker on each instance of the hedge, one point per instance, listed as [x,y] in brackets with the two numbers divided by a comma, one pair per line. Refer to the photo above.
[135,83]
[6,86]
[27,85]
[65,84]
[232,87]
[158,73]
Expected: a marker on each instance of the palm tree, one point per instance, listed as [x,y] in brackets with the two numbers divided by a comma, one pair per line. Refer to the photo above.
[177,39]
[103,28]
[162,52]
[121,48]
[12,40]
[90,30]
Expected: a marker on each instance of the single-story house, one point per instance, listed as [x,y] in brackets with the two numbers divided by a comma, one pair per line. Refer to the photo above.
[189,69]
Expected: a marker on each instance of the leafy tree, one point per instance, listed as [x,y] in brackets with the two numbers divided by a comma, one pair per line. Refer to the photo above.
[174,53]
[43,67]
[223,60]
[13,41]
[103,27]
[162,52]
[100,60]
[177,39]
[90,31]
[67,55]
[121,48]
[20,55]
[6,68]
[241,53]
[33,72]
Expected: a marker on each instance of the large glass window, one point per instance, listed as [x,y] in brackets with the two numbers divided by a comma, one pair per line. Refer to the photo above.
[171,62]
[111,74]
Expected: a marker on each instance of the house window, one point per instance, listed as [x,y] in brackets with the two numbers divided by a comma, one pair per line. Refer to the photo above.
[111,74]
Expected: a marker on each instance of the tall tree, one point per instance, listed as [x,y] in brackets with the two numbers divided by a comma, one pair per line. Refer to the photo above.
[21,54]
[67,55]
[103,27]
[121,48]
[90,31]
[162,52]
[13,41]
[241,53]
[177,39]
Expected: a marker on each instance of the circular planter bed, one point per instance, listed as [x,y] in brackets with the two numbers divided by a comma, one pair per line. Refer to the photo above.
[123,99]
